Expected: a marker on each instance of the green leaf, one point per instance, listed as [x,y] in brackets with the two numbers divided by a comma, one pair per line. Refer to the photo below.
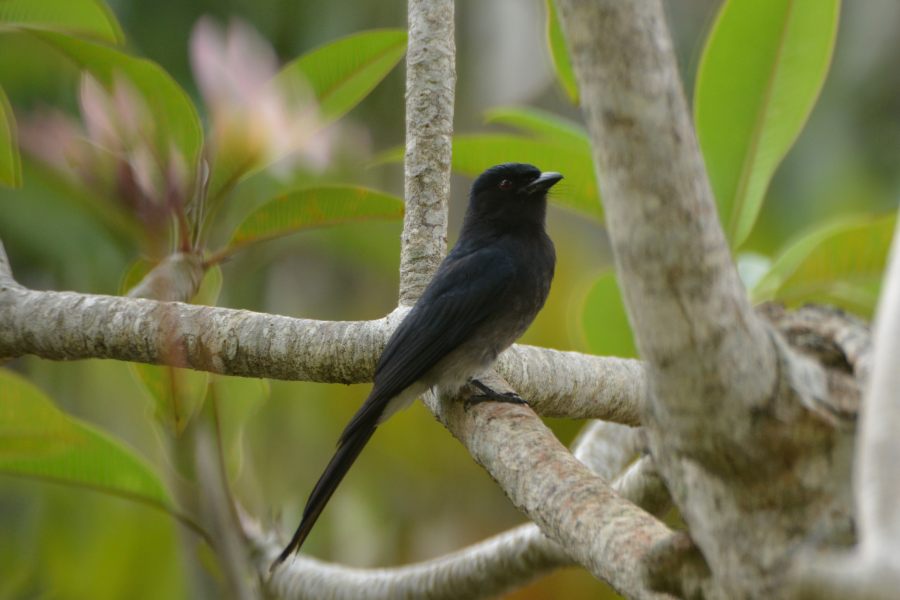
[604,320]
[539,123]
[841,262]
[177,394]
[210,287]
[560,54]
[761,71]
[133,275]
[236,400]
[87,18]
[315,207]
[37,440]
[10,162]
[578,192]
[174,115]
[340,74]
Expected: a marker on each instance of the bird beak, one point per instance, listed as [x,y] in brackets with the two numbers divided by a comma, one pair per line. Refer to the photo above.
[543,183]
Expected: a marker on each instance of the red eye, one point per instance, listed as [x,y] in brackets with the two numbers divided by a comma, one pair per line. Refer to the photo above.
[506,184]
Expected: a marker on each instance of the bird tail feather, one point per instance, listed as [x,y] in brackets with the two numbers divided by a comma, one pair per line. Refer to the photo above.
[351,444]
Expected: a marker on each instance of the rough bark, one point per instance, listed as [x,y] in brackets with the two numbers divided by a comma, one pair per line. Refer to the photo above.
[746,416]
[430,88]
[72,326]
[599,529]
[483,570]
[176,279]
[753,468]
[871,570]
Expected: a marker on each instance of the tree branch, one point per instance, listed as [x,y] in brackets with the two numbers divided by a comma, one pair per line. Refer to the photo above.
[872,570]
[877,484]
[607,448]
[600,530]
[575,385]
[689,311]
[70,326]
[176,279]
[430,82]
[729,399]
[486,569]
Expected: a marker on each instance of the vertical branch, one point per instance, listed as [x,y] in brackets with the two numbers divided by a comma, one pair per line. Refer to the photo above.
[877,486]
[430,83]
[219,510]
[689,311]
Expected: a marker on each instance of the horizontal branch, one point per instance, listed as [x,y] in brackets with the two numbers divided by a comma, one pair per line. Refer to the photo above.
[576,385]
[486,569]
[71,326]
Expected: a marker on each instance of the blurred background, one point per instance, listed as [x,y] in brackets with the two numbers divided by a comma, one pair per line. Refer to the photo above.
[415,493]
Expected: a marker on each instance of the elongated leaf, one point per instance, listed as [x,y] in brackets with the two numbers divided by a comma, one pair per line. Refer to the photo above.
[560,54]
[540,123]
[472,154]
[210,287]
[794,253]
[762,69]
[604,321]
[88,18]
[841,262]
[177,394]
[236,400]
[342,73]
[10,162]
[315,207]
[175,117]
[37,440]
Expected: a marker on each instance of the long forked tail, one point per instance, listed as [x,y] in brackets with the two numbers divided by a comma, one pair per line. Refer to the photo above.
[351,444]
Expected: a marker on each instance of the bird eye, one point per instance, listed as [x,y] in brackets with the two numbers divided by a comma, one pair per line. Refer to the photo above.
[506,184]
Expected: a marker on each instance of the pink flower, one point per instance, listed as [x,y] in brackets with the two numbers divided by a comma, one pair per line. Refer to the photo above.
[256,121]
[113,153]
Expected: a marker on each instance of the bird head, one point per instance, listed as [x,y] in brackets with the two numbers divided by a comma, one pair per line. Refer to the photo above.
[511,191]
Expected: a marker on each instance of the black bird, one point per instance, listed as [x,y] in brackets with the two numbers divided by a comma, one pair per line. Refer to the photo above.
[484,295]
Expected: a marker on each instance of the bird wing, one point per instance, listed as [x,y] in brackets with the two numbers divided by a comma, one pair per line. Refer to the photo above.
[466,291]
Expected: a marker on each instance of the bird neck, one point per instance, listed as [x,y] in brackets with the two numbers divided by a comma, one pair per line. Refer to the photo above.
[526,220]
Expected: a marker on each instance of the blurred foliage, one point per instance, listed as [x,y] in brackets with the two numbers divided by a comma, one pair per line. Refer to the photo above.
[605,322]
[314,207]
[561,63]
[10,163]
[836,263]
[84,18]
[750,106]
[37,440]
[229,141]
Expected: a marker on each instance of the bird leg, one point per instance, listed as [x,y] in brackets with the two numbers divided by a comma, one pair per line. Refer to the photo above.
[488,394]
